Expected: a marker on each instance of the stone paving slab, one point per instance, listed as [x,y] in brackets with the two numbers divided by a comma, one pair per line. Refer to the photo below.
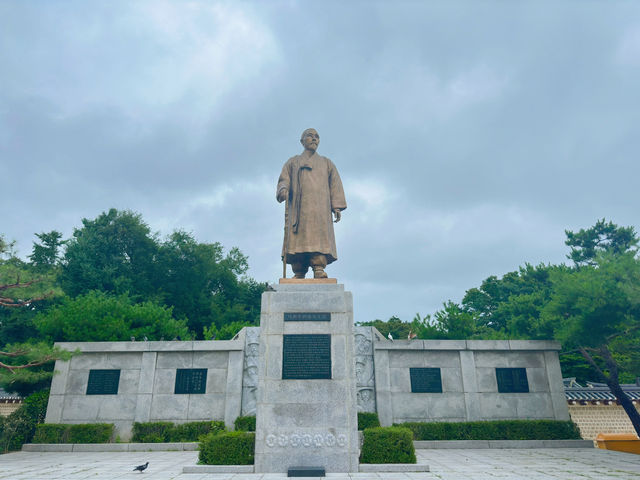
[471,464]
[228,469]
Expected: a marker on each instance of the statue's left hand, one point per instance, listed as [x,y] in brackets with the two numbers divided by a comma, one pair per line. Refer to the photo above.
[336,213]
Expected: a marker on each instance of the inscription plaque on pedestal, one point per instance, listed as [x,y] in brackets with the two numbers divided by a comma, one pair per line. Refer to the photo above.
[306,357]
[307,316]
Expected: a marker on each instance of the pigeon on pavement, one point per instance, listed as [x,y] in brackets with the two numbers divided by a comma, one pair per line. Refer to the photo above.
[141,468]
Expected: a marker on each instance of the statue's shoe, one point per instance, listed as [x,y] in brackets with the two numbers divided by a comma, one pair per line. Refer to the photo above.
[318,272]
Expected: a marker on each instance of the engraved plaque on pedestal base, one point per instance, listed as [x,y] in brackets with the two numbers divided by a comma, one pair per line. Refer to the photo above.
[306,357]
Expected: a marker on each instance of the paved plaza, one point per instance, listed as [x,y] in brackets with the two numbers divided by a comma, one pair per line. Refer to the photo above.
[494,464]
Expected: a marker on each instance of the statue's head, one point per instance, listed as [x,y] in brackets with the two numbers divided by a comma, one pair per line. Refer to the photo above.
[310,139]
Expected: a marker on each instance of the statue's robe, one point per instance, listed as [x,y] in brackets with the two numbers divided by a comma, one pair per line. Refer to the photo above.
[315,190]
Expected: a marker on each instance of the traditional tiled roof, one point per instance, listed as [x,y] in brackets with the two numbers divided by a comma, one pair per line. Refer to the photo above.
[595,392]
[4,395]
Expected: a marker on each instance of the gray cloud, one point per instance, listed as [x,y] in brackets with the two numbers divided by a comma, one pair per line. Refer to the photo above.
[468,135]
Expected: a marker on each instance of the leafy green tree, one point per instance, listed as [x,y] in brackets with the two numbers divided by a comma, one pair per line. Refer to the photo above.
[491,304]
[603,237]
[117,253]
[395,326]
[99,316]
[227,332]
[25,289]
[114,253]
[28,367]
[455,323]
[595,306]
[20,284]
[202,283]
[26,363]
[46,254]
[19,427]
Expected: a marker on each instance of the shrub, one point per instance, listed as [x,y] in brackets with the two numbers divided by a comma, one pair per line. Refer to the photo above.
[494,430]
[16,430]
[192,431]
[50,433]
[388,445]
[75,433]
[245,424]
[19,427]
[151,432]
[91,433]
[367,420]
[159,432]
[36,405]
[227,448]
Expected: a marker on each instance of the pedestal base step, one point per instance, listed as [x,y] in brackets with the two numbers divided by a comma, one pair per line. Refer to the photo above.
[306,472]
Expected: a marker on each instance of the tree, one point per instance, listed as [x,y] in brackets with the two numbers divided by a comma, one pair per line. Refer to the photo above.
[593,308]
[202,284]
[394,326]
[46,254]
[114,253]
[28,367]
[117,253]
[603,237]
[20,285]
[492,303]
[19,427]
[26,363]
[99,316]
[598,307]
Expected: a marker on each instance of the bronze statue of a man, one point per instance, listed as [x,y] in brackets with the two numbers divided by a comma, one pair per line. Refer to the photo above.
[312,188]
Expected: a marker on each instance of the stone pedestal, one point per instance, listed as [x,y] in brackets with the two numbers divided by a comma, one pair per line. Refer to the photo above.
[306,399]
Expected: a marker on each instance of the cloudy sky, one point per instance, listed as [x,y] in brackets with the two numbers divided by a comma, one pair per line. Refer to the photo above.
[469,135]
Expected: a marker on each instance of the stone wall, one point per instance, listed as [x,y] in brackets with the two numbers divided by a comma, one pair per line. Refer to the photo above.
[7,408]
[467,370]
[595,419]
[469,389]
[147,382]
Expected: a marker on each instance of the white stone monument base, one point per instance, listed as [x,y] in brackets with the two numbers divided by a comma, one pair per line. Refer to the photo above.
[306,422]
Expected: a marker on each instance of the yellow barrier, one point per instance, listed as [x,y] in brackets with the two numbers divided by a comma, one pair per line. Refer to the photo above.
[621,442]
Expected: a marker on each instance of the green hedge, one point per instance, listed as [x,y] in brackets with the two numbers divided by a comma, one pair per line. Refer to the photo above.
[192,431]
[19,427]
[495,430]
[367,420]
[67,433]
[388,445]
[151,432]
[245,424]
[162,432]
[227,448]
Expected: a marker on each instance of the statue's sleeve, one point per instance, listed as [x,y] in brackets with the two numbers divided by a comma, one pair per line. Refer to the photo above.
[284,181]
[338,202]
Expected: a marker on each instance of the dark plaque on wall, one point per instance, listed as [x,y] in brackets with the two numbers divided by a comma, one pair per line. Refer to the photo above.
[191,380]
[306,357]
[425,380]
[512,380]
[103,382]
[307,316]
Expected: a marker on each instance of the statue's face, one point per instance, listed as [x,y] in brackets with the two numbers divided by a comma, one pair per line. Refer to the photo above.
[310,139]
